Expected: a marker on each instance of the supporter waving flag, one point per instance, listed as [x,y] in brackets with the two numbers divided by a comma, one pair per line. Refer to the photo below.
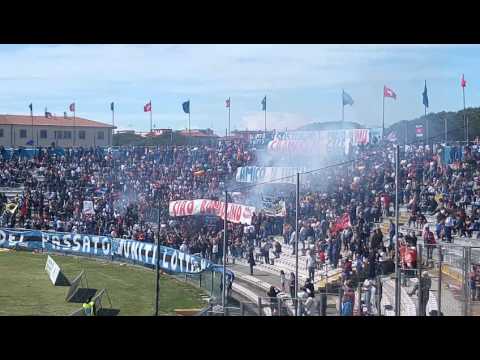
[341,223]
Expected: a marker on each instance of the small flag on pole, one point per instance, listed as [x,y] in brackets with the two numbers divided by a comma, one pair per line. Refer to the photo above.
[425,95]
[227,103]
[347,99]
[464,82]
[112,106]
[72,107]
[186,107]
[31,108]
[148,107]
[387,92]
[264,103]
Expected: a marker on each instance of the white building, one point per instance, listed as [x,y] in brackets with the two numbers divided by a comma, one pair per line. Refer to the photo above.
[21,130]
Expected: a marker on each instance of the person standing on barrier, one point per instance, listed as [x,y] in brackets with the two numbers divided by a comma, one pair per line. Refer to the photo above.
[292,285]
[391,234]
[429,241]
[251,260]
[283,280]
[311,265]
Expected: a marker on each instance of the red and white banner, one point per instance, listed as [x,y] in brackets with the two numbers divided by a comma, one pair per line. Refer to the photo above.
[236,213]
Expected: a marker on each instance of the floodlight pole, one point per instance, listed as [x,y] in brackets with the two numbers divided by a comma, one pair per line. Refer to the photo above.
[297,206]
[157,262]
[397,235]
[224,285]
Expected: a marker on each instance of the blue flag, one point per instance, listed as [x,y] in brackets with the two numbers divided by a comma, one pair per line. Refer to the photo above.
[30,142]
[264,103]
[347,99]
[31,107]
[112,106]
[425,95]
[186,107]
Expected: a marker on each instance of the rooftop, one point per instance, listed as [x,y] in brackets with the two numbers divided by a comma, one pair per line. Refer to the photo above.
[51,121]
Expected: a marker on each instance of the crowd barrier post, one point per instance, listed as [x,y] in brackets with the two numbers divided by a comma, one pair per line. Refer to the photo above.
[440,266]
[340,298]
[211,272]
[419,276]
[466,287]
[260,306]
[320,302]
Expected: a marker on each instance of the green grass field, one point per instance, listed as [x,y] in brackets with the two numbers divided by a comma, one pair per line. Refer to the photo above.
[25,288]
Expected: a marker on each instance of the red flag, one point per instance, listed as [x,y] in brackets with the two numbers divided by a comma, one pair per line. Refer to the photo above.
[72,107]
[389,92]
[341,223]
[227,103]
[464,82]
[147,107]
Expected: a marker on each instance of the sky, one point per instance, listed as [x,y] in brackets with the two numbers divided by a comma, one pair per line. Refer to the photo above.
[303,83]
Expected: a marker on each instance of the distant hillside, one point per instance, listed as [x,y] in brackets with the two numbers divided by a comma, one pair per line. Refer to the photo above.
[436,125]
[331,125]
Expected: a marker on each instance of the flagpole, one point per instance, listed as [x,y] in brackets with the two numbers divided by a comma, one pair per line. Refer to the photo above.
[74,128]
[188,119]
[383,114]
[445,130]
[343,108]
[151,126]
[229,104]
[265,117]
[464,118]
[426,127]
[113,117]
[31,115]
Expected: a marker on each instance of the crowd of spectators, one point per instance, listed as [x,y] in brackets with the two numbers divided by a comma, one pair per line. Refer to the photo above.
[131,187]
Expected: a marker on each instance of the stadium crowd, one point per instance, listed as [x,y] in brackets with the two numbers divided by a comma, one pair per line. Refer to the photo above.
[340,207]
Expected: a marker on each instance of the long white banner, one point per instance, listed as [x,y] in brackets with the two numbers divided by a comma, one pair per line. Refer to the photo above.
[314,142]
[236,213]
[278,175]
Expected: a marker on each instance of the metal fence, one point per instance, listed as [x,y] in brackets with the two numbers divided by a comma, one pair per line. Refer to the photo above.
[445,281]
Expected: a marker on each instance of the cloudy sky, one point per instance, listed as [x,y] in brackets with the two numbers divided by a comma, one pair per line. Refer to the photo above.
[303,83]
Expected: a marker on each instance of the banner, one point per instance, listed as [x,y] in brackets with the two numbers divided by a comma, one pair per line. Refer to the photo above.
[320,141]
[236,213]
[88,207]
[140,252]
[52,269]
[276,175]
[274,208]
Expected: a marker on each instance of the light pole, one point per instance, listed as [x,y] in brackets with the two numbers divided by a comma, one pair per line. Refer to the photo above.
[397,233]
[157,263]
[297,206]
[224,285]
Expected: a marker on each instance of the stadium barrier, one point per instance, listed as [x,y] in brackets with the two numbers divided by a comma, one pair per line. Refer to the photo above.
[137,252]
